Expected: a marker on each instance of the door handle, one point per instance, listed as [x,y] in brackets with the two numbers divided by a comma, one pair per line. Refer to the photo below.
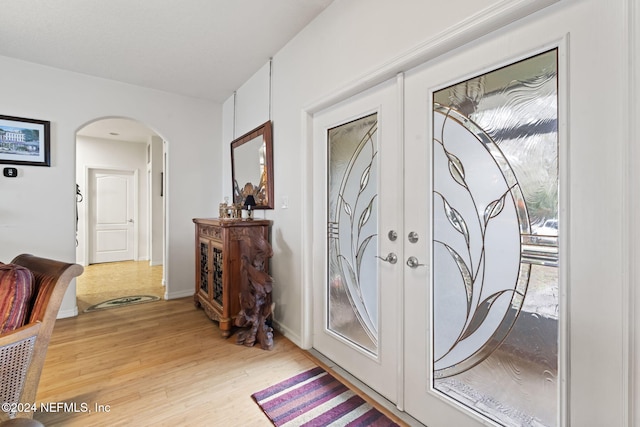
[391,258]
[413,262]
[130,220]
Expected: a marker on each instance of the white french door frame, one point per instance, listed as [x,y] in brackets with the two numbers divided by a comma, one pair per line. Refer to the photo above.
[491,19]
[88,170]
[633,218]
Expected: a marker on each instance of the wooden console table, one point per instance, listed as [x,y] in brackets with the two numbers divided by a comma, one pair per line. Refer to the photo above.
[218,264]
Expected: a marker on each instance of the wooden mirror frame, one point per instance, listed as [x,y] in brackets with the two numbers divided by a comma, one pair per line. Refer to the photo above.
[243,149]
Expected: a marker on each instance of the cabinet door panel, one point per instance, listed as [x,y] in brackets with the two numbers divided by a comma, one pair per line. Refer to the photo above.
[203,267]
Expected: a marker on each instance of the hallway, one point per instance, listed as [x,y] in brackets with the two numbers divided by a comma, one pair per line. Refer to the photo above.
[102,282]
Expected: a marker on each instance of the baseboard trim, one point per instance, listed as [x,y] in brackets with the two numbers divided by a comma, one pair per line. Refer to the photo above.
[62,314]
[176,295]
[288,333]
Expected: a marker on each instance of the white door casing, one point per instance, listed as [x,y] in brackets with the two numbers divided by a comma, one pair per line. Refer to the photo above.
[412,294]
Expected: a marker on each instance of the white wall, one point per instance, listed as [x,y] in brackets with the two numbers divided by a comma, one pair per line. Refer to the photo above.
[355,43]
[244,111]
[252,101]
[37,211]
[108,154]
[156,212]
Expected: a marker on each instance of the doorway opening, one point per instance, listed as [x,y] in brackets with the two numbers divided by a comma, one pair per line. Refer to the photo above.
[120,221]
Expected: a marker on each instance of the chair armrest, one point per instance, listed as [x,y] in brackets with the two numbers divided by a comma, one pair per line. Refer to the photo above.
[20,334]
[51,280]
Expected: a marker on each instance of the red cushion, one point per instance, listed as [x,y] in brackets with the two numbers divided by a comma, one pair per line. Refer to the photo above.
[16,288]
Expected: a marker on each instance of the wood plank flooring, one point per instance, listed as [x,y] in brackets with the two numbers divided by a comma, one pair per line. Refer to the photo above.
[162,363]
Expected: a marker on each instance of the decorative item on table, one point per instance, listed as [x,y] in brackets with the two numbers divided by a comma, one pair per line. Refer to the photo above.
[249,205]
[230,211]
[236,211]
[223,211]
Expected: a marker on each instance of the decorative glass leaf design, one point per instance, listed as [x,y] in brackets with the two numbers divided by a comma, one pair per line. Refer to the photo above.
[456,169]
[493,209]
[364,180]
[481,312]
[347,206]
[456,220]
[366,214]
[465,273]
[360,253]
[475,208]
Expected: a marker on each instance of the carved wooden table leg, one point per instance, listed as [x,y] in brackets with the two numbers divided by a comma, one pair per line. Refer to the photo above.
[255,293]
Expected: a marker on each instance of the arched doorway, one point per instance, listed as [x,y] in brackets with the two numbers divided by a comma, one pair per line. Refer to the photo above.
[120,176]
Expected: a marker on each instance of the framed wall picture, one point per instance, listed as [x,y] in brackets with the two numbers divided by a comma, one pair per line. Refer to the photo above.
[24,141]
[252,167]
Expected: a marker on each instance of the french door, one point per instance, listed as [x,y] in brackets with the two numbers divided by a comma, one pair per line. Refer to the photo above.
[358,195]
[437,279]
[482,325]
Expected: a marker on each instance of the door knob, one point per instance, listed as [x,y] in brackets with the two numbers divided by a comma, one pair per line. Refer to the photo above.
[413,262]
[130,220]
[391,258]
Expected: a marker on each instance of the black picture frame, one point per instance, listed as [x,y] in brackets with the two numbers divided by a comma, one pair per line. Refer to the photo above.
[25,141]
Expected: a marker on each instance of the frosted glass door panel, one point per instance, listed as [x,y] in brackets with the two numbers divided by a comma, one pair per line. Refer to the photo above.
[495,244]
[353,223]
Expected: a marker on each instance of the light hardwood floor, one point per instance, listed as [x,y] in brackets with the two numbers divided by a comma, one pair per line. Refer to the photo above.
[162,363]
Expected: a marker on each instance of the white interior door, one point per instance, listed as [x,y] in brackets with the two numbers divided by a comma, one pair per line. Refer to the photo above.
[357,264]
[111,215]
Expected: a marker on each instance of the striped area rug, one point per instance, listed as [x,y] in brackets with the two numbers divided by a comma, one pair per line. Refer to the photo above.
[314,398]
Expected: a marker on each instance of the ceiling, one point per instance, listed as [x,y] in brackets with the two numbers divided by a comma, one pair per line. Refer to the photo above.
[198,48]
[118,129]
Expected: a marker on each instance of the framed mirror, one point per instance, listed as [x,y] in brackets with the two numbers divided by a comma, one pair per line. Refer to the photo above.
[252,167]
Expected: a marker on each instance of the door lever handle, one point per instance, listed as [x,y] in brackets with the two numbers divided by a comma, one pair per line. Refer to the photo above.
[391,258]
[413,262]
